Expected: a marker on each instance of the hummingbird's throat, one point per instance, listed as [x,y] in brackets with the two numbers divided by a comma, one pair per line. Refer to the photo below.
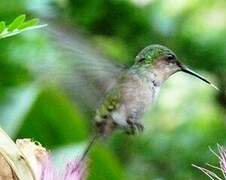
[189,71]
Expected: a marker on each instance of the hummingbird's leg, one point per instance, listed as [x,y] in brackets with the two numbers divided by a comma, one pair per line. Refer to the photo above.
[134,126]
[139,126]
[132,129]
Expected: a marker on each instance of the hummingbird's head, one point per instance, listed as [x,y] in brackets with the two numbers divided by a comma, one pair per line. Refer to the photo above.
[163,62]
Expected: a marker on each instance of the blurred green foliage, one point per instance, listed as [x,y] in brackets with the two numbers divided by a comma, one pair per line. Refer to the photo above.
[188,116]
[48,127]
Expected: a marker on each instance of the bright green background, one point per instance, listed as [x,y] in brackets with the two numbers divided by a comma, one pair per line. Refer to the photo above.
[188,116]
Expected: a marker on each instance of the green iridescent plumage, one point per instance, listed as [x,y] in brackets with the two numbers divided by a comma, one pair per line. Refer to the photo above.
[153,52]
[109,104]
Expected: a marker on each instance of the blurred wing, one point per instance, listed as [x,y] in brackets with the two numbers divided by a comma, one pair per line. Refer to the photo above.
[78,68]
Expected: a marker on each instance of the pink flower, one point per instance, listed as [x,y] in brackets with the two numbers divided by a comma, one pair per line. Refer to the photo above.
[27,159]
[73,171]
[48,171]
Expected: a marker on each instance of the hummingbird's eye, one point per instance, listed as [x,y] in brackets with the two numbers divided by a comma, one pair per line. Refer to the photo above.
[142,59]
[171,57]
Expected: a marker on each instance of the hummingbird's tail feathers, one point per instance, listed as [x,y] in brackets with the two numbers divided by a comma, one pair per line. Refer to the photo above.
[90,144]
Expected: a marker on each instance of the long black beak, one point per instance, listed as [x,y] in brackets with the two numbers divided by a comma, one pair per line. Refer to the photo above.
[189,71]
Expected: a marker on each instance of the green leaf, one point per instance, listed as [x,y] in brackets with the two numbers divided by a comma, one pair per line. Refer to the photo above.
[29,23]
[18,25]
[16,22]
[2,26]
[54,120]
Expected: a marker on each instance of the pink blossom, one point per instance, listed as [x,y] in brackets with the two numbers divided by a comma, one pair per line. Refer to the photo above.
[72,171]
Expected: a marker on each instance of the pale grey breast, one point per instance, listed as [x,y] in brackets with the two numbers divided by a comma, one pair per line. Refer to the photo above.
[138,94]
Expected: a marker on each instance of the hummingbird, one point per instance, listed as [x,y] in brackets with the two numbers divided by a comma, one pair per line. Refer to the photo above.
[136,90]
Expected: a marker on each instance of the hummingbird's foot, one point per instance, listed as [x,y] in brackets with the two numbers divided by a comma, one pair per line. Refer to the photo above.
[139,126]
[134,127]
